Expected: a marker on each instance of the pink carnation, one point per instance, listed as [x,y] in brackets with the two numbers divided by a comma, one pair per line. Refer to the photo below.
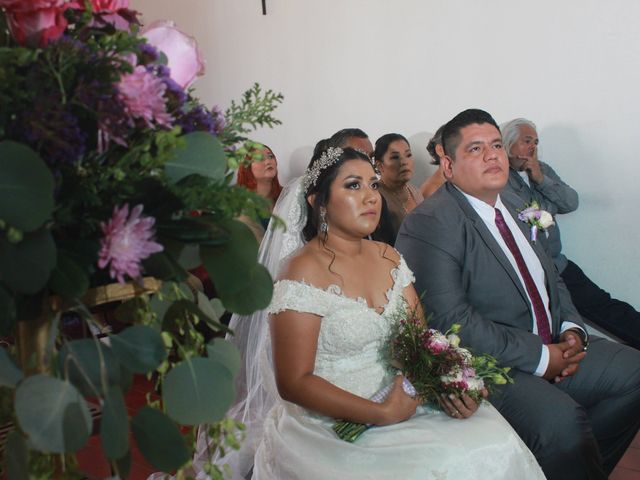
[436,343]
[143,96]
[126,242]
[109,5]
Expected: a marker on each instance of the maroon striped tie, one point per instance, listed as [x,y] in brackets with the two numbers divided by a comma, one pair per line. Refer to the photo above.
[538,307]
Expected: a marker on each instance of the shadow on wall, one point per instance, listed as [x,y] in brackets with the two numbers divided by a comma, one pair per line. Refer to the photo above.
[422,160]
[298,161]
[563,149]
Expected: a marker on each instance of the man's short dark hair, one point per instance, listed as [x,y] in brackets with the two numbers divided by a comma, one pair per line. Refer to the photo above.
[451,130]
[431,146]
[341,137]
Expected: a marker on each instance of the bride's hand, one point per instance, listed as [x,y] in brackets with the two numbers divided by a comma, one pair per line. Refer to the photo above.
[460,407]
[398,406]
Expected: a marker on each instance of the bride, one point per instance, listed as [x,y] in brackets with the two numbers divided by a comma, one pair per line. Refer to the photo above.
[318,356]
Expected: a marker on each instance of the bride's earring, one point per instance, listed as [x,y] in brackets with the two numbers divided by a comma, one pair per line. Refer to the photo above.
[324,226]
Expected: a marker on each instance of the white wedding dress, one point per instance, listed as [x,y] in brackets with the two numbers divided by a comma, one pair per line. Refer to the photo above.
[298,444]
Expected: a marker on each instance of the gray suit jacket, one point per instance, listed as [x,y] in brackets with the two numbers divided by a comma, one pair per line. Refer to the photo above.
[466,278]
[553,195]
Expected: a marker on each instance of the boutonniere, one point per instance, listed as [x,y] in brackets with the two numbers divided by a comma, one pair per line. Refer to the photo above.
[537,218]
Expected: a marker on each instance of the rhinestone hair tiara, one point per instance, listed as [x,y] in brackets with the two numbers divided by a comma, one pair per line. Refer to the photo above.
[328,158]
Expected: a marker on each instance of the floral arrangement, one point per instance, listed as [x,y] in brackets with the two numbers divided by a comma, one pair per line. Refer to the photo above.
[433,364]
[105,154]
[537,219]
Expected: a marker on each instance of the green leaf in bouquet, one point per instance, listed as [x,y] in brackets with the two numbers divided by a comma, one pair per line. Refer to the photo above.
[68,279]
[164,298]
[199,230]
[187,255]
[26,187]
[225,353]
[123,464]
[10,374]
[202,155]
[7,312]
[244,285]
[164,266]
[159,439]
[180,309]
[114,425]
[253,293]
[198,390]
[53,414]
[158,200]
[132,311]
[26,266]
[89,368]
[16,456]
[139,347]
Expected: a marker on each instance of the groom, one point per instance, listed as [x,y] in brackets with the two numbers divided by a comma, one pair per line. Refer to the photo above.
[575,401]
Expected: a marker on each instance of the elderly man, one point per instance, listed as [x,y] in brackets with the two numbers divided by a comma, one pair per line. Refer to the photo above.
[533,180]
[577,410]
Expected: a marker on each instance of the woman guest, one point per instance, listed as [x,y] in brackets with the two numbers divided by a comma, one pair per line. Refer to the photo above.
[260,176]
[394,160]
[435,181]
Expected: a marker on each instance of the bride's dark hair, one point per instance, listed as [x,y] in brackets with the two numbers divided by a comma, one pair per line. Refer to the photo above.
[322,186]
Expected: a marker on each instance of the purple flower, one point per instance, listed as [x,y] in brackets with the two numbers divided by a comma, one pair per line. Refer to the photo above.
[143,96]
[127,241]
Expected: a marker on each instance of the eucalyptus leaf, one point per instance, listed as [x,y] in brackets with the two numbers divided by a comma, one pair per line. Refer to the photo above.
[114,425]
[16,456]
[253,293]
[131,311]
[124,466]
[162,300]
[225,353]
[165,267]
[53,414]
[139,347]
[27,265]
[26,187]
[68,279]
[243,284]
[183,308]
[202,155]
[10,374]
[198,390]
[86,366]
[159,439]
[7,312]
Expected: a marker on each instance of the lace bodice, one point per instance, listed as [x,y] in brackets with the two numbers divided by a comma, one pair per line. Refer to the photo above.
[352,335]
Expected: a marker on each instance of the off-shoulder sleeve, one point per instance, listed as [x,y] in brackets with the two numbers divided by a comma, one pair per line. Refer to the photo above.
[300,297]
[403,275]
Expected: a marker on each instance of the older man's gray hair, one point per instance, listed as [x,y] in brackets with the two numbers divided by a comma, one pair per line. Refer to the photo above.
[511,132]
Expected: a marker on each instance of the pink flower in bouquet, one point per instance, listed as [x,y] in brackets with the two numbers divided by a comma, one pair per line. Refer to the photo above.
[184,57]
[127,241]
[436,342]
[143,96]
[35,22]
[109,5]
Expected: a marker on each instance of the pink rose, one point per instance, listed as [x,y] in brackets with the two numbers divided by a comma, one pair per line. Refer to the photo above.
[184,57]
[35,22]
[109,5]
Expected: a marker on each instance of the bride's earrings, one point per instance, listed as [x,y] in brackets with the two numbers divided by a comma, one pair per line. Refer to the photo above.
[324,226]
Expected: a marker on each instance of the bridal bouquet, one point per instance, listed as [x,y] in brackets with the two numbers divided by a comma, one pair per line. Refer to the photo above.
[104,154]
[433,364]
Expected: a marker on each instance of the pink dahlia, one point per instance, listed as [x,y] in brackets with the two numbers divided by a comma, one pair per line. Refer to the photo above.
[143,96]
[127,241]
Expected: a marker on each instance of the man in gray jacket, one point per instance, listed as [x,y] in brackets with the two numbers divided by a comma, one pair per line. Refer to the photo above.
[577,410]
[533,180]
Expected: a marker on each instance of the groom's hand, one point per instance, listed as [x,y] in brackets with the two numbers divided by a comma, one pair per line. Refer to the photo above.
[560,366]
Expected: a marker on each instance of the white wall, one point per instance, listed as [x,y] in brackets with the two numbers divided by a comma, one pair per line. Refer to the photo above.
[572,66]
